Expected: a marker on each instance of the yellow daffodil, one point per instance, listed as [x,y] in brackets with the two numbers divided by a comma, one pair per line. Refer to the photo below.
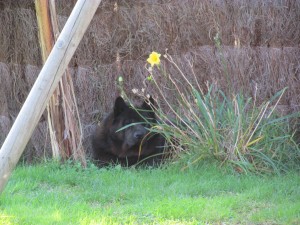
[154,59]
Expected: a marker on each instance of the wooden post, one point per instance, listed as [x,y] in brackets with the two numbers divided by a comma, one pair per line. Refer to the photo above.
[44,86]
[63,119]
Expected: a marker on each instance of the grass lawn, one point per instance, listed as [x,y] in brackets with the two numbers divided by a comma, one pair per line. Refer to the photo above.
[63,194]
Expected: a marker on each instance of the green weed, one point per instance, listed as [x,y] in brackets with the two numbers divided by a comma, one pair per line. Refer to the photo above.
[210,125]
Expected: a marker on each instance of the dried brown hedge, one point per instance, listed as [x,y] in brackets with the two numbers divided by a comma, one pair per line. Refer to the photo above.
[260,45]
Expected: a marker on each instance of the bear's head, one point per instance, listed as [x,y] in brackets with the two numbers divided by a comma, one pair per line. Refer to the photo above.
[130,127]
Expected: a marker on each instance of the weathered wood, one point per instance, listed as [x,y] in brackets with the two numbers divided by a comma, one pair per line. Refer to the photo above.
[44,86]
[46,40]
[63,119]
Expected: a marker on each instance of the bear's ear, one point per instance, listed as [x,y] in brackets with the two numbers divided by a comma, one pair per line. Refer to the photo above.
[120,106]
[148,104]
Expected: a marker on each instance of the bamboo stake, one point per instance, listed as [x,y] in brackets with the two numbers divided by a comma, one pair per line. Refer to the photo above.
[44,86]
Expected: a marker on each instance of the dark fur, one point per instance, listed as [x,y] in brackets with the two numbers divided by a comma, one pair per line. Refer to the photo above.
[113,146]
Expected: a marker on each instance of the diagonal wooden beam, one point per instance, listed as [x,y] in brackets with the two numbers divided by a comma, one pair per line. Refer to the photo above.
[44,86]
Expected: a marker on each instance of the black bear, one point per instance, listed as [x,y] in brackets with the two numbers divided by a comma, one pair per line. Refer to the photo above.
[123,136]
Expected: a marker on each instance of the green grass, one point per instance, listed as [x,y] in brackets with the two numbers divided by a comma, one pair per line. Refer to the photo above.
[64,194]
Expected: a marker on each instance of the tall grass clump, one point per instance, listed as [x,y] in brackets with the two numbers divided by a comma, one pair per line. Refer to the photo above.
[228,128]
